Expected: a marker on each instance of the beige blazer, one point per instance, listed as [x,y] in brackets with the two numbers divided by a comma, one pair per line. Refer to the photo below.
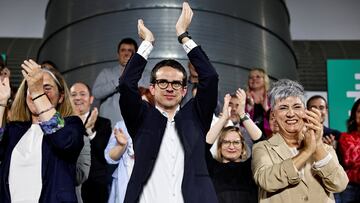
[279,181]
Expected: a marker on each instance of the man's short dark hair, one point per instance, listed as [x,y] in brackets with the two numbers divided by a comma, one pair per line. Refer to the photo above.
[86,85]
[315,97]
[168,62]
[127,41]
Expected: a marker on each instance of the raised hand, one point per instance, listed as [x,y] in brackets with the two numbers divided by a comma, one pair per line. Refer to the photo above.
[144,32]
[120,137]
[330,140]
[225,114]
[241,95]
[249,100]
[90,124]
[314,125]
[34,77]
[184,19]
[309,140]
[313,118]
[5,91]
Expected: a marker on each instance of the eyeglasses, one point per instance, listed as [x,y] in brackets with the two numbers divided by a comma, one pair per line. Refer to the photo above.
[163,84]
[227,143]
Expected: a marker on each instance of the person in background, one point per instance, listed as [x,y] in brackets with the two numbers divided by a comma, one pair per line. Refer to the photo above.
[119,150]
[231,172]
[192,83]
[105,86]
[98,130]
[330,136]
[235,105]
[294,165]
[257,104]
[42,141]
[5,73]
[349,144]
[272,124]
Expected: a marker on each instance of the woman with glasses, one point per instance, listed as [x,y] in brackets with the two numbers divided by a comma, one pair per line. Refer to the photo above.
[231,170]
[42,141]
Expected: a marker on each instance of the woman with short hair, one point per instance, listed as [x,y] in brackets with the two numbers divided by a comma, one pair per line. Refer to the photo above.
[294,165]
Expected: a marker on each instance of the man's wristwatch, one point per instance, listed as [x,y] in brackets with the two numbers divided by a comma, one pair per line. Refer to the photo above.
[244,117]
[182,36]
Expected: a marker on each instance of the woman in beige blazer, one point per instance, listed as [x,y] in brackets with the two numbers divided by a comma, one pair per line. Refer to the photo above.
[294,165]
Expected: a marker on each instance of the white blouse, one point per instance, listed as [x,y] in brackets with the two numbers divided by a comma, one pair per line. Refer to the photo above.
[25,182]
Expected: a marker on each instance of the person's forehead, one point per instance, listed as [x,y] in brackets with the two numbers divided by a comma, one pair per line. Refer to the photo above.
[48,79]
[317,102]
[255,72]
[127,46]
[292,100]
[234,100]
[79,87]
[232,134]
[168,71]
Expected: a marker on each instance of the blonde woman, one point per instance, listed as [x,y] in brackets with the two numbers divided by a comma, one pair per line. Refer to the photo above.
[231,172]
[257,104]
[42,141]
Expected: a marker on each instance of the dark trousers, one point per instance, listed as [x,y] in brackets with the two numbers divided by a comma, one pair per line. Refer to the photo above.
[351,194]
[94,192]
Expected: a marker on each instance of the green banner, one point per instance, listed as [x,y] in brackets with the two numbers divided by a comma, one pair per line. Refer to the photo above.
[343,90]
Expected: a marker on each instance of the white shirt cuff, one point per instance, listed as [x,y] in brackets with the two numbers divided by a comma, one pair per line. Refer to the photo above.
[145,49]
[322,162]
[189,45]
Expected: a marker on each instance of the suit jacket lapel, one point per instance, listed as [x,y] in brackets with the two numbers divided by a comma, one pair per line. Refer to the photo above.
[280,147]
[182,133]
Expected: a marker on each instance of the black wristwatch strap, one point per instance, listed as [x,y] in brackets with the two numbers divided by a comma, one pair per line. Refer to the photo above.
[245,117]
[182,36]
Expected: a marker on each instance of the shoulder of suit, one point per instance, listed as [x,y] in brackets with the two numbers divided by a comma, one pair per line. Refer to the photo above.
[102,119]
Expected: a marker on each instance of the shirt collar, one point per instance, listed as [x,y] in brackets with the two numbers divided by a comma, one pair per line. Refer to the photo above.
[164,113]
[85,115]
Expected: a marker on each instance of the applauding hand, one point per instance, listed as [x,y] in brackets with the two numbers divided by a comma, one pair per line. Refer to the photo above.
[144,32]
[120,137]
[184,19]
[34,77]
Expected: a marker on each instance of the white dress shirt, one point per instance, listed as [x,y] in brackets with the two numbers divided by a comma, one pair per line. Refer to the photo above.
[164,184]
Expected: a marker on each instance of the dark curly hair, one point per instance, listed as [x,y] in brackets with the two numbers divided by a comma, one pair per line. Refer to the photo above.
[351,122]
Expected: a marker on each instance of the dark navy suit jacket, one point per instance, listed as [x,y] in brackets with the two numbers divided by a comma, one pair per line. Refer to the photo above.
[146,125]
[60,152]
[328,131]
